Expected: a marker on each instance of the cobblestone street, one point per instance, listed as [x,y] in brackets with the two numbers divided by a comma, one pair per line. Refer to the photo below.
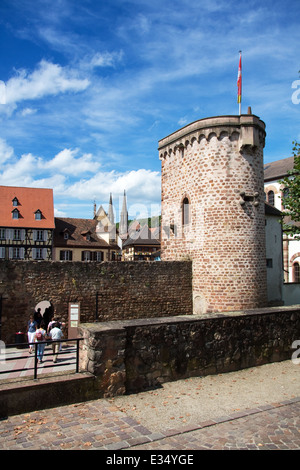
[99,425]
[110,424]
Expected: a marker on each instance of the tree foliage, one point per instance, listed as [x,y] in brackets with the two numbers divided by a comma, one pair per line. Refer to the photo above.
[291,198]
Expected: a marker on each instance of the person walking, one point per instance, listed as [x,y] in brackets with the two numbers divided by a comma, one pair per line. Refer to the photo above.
[38,317]
[40,335]
[55,334]
[31,328]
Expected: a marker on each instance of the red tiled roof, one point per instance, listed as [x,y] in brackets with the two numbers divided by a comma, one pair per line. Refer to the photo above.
[30,200]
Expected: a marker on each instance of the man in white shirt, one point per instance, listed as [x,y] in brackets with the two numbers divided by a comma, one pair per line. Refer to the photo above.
[55,334]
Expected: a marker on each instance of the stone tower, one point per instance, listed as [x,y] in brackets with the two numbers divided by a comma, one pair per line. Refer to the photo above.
[213,209]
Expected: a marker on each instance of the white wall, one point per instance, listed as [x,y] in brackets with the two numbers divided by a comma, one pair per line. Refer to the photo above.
[294,245]
[274,253]
[291,293]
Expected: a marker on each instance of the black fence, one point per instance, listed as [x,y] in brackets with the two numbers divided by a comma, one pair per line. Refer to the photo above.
[35,355]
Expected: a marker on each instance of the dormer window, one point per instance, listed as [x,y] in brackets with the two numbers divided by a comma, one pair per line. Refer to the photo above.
[66,234]
[15,201]
[86,235]
[38,215]
[15,214]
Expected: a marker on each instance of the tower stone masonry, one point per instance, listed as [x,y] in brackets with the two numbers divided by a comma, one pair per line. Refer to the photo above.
[213,210]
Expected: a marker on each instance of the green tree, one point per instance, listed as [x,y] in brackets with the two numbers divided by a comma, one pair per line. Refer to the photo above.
[291,197]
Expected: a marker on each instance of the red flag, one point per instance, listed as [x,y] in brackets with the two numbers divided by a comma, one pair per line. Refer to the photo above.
[239,80]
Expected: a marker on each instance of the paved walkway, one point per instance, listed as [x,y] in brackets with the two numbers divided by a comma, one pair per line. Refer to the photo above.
[15,363]
[121,424]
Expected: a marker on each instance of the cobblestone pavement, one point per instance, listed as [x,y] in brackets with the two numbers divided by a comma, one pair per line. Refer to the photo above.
[112,424]
[265,428]
[100,425]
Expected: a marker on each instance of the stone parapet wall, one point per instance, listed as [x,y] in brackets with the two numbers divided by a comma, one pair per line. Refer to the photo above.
[106,291]
[131,356]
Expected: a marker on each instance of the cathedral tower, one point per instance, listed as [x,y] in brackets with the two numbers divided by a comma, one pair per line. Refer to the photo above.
[213,209]
[111,210]
[123,226]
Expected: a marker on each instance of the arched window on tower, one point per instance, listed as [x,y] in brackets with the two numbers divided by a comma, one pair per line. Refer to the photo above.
[271,199]
[296,272]
[185,211]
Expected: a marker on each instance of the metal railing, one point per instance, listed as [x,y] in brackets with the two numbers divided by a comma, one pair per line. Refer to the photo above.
[33,345]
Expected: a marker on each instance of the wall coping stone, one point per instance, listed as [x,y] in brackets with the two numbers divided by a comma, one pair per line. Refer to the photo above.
[123,324]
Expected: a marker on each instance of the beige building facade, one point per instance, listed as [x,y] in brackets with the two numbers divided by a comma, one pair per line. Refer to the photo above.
[79,240]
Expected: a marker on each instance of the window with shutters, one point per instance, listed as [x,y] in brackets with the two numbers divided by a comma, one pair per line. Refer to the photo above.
[65,255]
[2,234]
[40,235]
[16,252]
[86,256]
[18,234]
[39,253]
[99,256]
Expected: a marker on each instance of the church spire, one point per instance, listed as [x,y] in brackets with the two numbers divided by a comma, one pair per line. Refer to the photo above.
[123,227]
[111,210]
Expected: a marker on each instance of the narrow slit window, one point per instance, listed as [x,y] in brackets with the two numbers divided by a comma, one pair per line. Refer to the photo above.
[185,211]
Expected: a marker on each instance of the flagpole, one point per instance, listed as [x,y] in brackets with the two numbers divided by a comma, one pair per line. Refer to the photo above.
[239,84]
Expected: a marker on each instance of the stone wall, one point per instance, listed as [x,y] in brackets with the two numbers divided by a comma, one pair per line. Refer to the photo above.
[132,356]
[106,291]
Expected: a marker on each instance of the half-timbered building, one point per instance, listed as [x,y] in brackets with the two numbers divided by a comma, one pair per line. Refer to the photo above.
[26,223]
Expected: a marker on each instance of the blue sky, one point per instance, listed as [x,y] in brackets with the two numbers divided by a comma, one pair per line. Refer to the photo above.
[89,87]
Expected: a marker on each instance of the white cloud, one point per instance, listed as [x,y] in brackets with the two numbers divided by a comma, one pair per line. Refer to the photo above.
[59,213]
[143,185]
[61,173]
[19,173]
[6,152]
[27,112]
[37,171]
[67,162]
[104,59]
[183,121]
[47,79]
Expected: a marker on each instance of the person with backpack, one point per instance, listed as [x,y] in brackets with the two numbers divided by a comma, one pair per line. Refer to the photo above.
[40,335]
